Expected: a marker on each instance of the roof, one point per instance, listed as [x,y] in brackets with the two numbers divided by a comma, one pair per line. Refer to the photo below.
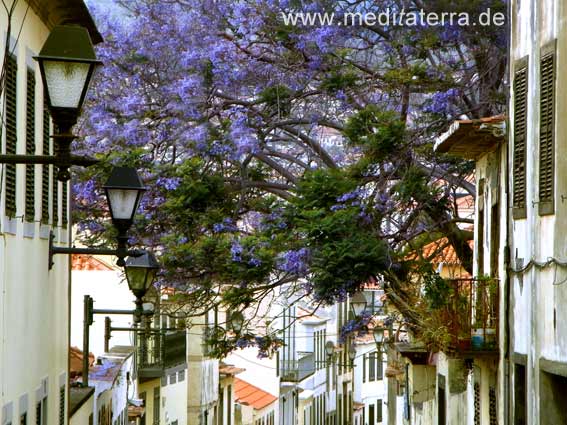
[110,364]
[229,370]
[471,139]
[250,395]
[78,396]
[76,361]
[59,12]
[441,251]
[89,263]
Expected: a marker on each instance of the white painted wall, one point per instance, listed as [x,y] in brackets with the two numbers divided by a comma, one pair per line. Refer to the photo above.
[33,301]
[109,291]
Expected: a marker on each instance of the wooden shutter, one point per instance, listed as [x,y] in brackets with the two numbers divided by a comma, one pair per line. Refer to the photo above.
[45,168]
[520,132]
[11,133]
[30,146]
[64,205]
[547,129]
[55,197]
[62,406]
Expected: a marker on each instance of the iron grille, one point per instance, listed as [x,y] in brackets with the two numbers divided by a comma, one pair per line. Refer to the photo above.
[62,406]
[492,406]
[476,404]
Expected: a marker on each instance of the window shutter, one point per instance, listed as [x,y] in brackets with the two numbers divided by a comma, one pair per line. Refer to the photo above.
[547,129]
[520,131]
[64,205]
[62,406]
[55,189]
[364,367]
[30,146]
[379,366]
[11,133]
[45,168]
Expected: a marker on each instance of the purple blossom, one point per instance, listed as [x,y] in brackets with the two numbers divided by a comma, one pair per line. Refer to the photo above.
[295,261]
[168,183]
[236,251]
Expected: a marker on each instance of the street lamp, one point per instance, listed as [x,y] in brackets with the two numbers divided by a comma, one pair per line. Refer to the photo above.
[379,337]
[236,321]
[123,190]
[329,349]
[66,62]
[352,353]
[140,273]
[358,303]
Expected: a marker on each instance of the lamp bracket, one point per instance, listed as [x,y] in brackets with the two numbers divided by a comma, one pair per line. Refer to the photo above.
[121,254]
[83,161]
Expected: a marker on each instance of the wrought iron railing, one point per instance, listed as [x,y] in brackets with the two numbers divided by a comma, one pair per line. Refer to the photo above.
[471,313]
[297,370]
[157,349]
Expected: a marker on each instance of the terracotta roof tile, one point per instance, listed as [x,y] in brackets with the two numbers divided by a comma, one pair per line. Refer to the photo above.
[249,395]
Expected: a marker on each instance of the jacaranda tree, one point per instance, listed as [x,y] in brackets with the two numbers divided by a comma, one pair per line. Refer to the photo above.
[280,155]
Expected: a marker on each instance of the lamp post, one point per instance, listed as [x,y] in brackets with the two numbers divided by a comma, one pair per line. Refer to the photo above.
[88,318]
[67,62]
[140,273]
[358,303]
[123,191]
[236,322]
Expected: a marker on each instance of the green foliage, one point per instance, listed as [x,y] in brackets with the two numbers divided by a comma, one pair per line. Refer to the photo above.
[321,188]
[380,133]
[437,291]
[277,99]
[339,81]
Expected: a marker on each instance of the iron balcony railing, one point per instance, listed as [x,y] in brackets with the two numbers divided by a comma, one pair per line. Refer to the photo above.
[158,350]
[296,370]
[471,313]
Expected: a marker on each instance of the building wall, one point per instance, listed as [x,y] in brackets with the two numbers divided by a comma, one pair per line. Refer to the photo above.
[108,291]
[33,301]
[148,388]
[539,332]
[366,391]
[174,394]
[81,416]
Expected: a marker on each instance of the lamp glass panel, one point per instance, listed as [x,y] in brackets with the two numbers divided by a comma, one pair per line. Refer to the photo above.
[65,82]
[123,203]
[151,276]
[136,277]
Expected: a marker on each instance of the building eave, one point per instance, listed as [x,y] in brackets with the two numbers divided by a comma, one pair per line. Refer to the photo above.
[471,139]
[60,12]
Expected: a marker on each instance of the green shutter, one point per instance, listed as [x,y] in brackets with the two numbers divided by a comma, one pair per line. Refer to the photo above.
[11,133]
[55,189]
[45,168]
[64,204]
[547,130]
[62,406]
[30,146]
[520,132]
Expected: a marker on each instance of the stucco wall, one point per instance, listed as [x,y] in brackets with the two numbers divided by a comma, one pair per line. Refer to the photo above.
[33,300]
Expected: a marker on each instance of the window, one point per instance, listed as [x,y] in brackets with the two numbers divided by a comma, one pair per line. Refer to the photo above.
[156,406]
[547,129]
[228,405]
[55,201]
[371,415]
[30,146]
[379,410]
[45,168]
[372,367]
[173,378]
[41,412]
[11,132]
[520,130]
[143,398]
[181,376]
[24,419]
[62,405]
[64,207]
[364,367]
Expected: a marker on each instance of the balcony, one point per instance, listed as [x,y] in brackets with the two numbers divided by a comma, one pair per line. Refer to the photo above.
[297,370]
[462,316]
[159,350]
